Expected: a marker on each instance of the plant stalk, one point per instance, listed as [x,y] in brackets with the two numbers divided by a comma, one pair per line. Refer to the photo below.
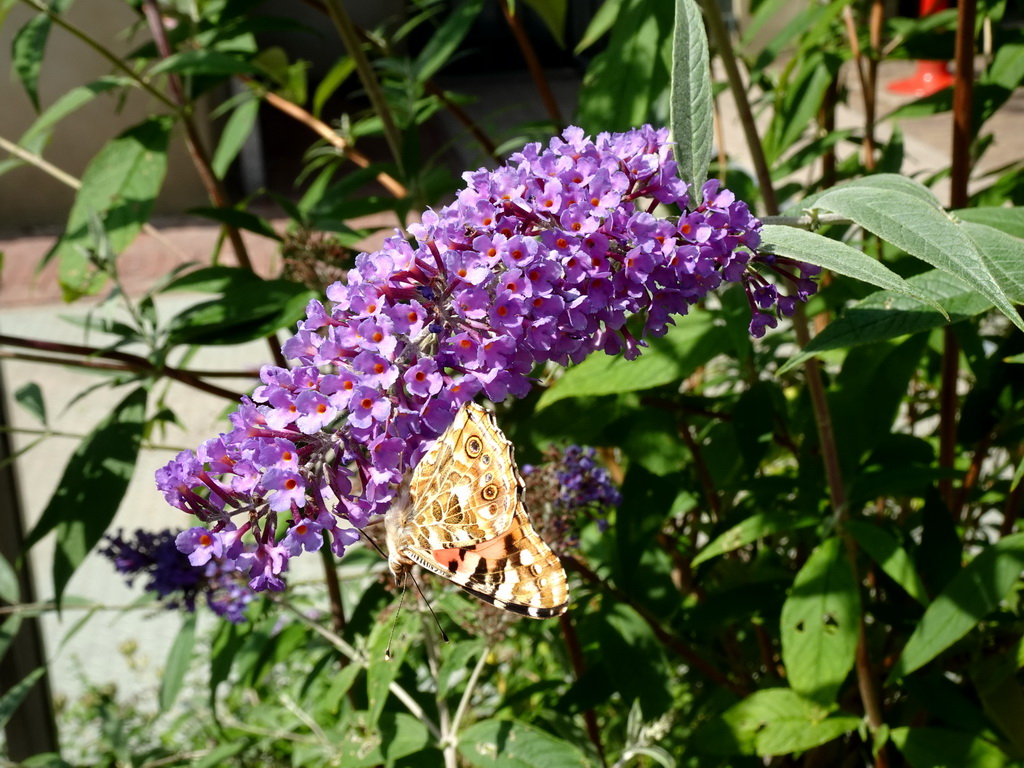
[960,172]
[723,46]
[540,81]
[350,38]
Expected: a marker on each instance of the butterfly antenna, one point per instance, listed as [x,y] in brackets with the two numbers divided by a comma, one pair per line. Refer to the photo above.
[444,635]
[374,543]
[394,624]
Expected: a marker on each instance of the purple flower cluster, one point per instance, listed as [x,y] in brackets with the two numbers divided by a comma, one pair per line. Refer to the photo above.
[570,487]
[542,260]
[175,577]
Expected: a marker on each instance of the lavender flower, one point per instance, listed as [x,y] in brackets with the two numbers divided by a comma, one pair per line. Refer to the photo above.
[542,260]
[179,567]
[567,489]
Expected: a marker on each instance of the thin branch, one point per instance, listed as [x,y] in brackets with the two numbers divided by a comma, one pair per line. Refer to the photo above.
[540,81]
[723,47]
[350,37]
[467,694]
[130,362]
[322,129]
[355,656]
[666,638]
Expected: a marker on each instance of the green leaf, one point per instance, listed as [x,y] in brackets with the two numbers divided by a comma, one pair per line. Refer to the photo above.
[10,591]
[886,315]
[819,623]
[690,107]
[221,755]
[910,223]
[974,592]
[1008,220]
[1003,254]
[234,318]
[91,488]
[757,526]
[233,137]
[30,397]
[179,658]
[119,185]
[446,39]
[364,744]
[239,220]
[624,80]
[669,358]
[890,556]
[939,748]
[773,721]
[337,75]
[514,744]
[27,49]
[839,258]
[894,182]
[12,699]
[206,61]
[8,631]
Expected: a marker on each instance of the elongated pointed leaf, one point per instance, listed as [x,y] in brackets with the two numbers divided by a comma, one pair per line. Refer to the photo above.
[91,488]
[233,137]
[974,592]
[839,258]
[670,358]
[886,315]
[514,744]
[819,624]
[910,223]
[11,699]
[1008,220]
[939,748]
[755,527]
[690,110]
[446,39]
[119,186]
[1003,254]
[773,721]
[890,556]
[178,661]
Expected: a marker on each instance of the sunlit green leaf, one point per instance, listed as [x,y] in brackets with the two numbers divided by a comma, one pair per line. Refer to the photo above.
[943,748]
[893,559]
[975,591]
[691,118]
[91,488]
[757,526]
[672,357]
[514,744]
[236,131]
[819,623]
[910,223]
[178,661]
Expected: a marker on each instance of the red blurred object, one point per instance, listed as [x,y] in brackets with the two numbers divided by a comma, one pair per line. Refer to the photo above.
[930,76]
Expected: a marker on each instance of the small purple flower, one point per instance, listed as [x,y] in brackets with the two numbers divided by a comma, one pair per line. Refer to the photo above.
[200,545]
[304,535]
[286,488]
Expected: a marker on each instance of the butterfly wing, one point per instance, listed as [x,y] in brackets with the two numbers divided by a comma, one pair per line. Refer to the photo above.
[515,570]
[466,487]
[461,515]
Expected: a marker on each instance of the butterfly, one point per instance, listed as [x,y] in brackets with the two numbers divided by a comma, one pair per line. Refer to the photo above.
[461,515]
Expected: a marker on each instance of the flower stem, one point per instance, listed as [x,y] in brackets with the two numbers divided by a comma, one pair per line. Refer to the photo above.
[540,81]
[355,656]
[866,682]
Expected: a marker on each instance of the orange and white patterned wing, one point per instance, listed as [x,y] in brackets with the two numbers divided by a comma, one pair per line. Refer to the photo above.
[461,515]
